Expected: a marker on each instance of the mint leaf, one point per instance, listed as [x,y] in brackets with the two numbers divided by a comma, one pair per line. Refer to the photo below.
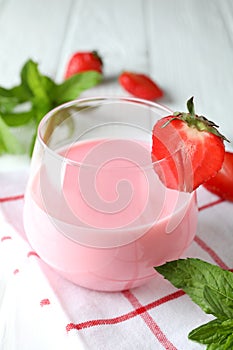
[216,346]
[71,88]
[229,342]
[7,104]
[10,98]
[37,83]
[207,333]
[214,332]
[8,142]
[17,119]
[193,275]
[40,94]
[21,93]
[211,288]
[39,86]
[24,76]
[17,92]
[14,97]
[220,302]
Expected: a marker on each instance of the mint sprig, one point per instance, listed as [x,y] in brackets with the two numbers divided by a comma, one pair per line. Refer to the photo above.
[211,288]
[8,142]
[28,102]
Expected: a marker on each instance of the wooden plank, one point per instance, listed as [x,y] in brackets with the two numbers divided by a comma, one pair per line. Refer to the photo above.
[31,29]
[186,46]
[116,31]
[114,28]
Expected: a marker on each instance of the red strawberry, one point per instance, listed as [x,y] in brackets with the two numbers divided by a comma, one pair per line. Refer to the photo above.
[140,85]
[222,183]
[82,62]
[193,146]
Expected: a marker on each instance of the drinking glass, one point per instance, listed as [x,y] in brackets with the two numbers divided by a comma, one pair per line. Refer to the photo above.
[98,207]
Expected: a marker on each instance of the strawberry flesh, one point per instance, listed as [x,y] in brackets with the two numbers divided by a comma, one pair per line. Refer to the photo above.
[222,183]
[193,147]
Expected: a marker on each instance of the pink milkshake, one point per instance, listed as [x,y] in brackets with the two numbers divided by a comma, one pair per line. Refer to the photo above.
[112,244]
[95,208]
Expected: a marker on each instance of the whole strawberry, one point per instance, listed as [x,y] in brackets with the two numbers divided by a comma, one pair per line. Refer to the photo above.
[82,62]
[140,85]
[193,148]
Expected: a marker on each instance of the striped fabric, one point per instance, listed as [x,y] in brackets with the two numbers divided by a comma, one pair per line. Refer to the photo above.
[40,310]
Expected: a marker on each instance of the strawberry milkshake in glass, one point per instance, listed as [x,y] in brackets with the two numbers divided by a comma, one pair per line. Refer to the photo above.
[96,207]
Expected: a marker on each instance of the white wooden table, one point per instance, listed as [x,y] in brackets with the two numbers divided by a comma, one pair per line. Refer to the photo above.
[186,46]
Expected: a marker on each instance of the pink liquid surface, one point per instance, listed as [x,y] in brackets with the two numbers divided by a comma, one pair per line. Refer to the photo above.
[105,226]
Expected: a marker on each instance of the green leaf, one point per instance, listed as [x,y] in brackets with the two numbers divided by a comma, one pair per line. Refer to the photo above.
[24,76]
[40,108]
[10,98]
[41,94]
[193,275]
[40,87]
[219,302]
[7,104]
[17,92]
[229,343]
[71,88]
[32,78]
[5,92]
[21,93]
[17,119]
[8,142]
[48,84]
[214,332]
[215,346]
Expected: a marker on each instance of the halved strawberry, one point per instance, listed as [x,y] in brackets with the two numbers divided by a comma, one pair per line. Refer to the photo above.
[222,183]
[193,148]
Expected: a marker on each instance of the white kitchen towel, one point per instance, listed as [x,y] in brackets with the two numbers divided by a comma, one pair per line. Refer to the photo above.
[40,310]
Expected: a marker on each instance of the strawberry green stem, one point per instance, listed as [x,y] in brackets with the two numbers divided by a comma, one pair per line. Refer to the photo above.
[195,121]
[190,106]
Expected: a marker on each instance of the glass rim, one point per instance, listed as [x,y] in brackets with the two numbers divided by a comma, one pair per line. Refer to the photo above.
[92,99]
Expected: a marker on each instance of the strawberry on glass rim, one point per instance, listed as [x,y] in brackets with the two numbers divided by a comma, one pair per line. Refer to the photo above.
[222,183]
[188,141]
